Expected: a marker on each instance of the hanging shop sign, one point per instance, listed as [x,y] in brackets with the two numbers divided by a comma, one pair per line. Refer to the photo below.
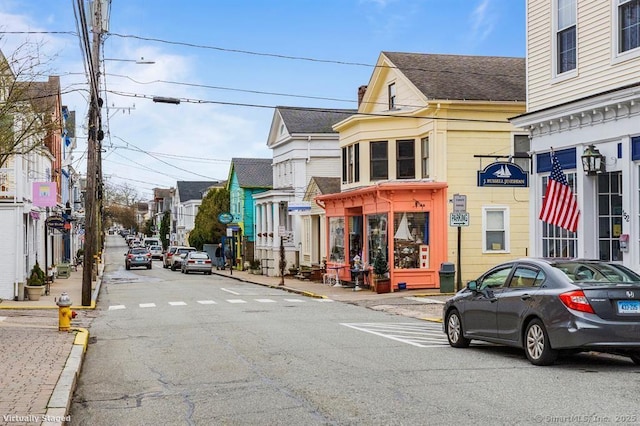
[55,222]
[503,174]
[298,208]
[225,217]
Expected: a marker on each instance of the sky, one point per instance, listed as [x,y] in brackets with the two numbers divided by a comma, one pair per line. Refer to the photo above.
[230,63]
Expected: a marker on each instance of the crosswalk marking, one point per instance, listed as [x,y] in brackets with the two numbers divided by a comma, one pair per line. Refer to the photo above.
[3,318]
[213,302]
[423,335]
[116,307]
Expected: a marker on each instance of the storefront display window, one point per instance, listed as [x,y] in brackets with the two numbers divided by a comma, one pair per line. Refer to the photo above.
[376,235]
[336,239]
[355,237]
[410,238]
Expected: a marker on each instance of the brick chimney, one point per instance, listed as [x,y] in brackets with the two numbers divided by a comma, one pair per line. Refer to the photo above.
[361,92]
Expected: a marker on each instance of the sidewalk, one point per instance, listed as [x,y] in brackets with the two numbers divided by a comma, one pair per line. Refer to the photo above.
[39,365]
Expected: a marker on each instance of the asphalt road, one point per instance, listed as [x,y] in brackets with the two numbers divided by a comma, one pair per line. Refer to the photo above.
[168,348]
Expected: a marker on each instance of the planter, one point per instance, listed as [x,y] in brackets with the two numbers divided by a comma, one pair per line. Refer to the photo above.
[255,271]
[382,285]
[34,291]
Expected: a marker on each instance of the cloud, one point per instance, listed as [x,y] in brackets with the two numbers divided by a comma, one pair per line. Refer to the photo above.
[482,21]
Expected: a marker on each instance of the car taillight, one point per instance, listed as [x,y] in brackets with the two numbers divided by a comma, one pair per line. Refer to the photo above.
[169,254]
[577,301]
[129,256]
[207,261]
[192,261]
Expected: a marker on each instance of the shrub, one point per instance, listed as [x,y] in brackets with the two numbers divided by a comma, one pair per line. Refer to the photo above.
[380,266]
[37,276]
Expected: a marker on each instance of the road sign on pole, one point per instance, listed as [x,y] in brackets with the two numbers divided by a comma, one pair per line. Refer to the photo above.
[459,219]
[459,203]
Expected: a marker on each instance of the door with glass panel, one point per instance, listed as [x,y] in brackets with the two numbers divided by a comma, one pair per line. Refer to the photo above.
[610,216]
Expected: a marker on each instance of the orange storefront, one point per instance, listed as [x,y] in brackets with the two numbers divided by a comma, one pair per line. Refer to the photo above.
[407,221]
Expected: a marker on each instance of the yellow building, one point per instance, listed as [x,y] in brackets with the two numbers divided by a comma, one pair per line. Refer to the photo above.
[428,127]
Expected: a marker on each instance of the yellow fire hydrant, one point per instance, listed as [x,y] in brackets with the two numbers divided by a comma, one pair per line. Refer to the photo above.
[65,314]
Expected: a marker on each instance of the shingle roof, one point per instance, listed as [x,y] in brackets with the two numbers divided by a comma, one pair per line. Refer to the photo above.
[253,172]
[192,190]
[313,120]
[459,77]
[327,185]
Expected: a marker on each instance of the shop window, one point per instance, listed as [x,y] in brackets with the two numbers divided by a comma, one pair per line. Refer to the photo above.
[376,236]
[410,239]
[556,241]
[336,239]
[355,237]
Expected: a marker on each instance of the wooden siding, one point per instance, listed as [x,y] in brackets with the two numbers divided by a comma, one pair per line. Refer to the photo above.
[596,70]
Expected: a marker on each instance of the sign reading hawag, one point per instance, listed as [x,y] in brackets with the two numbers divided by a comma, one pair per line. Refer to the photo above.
[44,194]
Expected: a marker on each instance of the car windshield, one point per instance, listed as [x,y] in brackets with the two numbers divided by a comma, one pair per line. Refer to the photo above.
[138,251]
[597,272]
[185,250]
[156,248]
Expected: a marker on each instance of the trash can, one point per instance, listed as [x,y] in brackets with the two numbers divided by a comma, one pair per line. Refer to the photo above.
[447,273]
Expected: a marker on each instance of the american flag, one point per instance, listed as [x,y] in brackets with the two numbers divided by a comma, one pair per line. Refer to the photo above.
[559,206]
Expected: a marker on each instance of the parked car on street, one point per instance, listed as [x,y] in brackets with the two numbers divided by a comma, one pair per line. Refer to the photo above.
[550,306]
[196,261]
[156,252]
[167,256]
[177,257]
[137,256]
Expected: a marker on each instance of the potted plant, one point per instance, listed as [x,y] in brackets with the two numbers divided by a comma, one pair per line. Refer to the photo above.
[35,282]
[381,282]
[255,267]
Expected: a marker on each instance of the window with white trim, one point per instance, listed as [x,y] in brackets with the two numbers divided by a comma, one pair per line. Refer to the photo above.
[556,241]
[392,96]
[565,35]
[495,229]
[424,142]
[628,26]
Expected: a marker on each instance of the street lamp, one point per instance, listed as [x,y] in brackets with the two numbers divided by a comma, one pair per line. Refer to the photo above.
[140,61]
[592,161]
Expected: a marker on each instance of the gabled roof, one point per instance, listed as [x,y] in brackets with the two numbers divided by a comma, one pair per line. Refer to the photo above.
[313,120]
[327,185]
[460,77]
[193,190]
[253,172]
[160,193]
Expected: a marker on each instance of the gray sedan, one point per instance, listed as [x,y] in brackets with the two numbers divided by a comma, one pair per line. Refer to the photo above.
[196,261]
[550,305]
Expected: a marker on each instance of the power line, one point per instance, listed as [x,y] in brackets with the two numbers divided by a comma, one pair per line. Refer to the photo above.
[327,110]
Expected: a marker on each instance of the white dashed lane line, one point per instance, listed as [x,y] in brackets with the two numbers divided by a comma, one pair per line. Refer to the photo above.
[213,302]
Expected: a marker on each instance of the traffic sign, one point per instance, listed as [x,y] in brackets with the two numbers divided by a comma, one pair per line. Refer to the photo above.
[459,203]
[459,219]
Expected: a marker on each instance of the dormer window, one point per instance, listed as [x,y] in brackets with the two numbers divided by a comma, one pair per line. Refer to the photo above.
[392,96]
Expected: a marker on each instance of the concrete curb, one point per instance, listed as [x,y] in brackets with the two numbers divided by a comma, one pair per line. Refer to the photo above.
[60,402]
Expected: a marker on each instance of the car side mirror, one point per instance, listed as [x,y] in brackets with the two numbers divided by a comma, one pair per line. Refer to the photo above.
[472,285]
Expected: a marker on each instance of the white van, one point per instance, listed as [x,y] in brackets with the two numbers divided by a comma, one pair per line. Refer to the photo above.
[151,241]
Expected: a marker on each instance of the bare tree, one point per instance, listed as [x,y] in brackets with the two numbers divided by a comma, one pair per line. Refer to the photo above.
[26,103]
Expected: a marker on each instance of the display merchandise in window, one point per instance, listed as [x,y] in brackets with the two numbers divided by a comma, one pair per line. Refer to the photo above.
[411,231]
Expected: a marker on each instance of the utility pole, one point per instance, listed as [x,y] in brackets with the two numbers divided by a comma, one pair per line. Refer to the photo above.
[95,133]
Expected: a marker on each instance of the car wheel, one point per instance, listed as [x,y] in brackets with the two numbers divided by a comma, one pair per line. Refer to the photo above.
[149,267]
[537,346]
[208,273]
[173,267]
[186,272]
[635,357]
[454,331]
[127,267]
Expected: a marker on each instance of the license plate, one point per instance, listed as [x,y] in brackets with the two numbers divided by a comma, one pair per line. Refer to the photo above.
[629,306]
[139,258]
[200,262]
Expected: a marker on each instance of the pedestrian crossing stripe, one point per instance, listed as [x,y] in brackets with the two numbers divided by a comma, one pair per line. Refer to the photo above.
[423,335]
[213,302]
[116,307]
